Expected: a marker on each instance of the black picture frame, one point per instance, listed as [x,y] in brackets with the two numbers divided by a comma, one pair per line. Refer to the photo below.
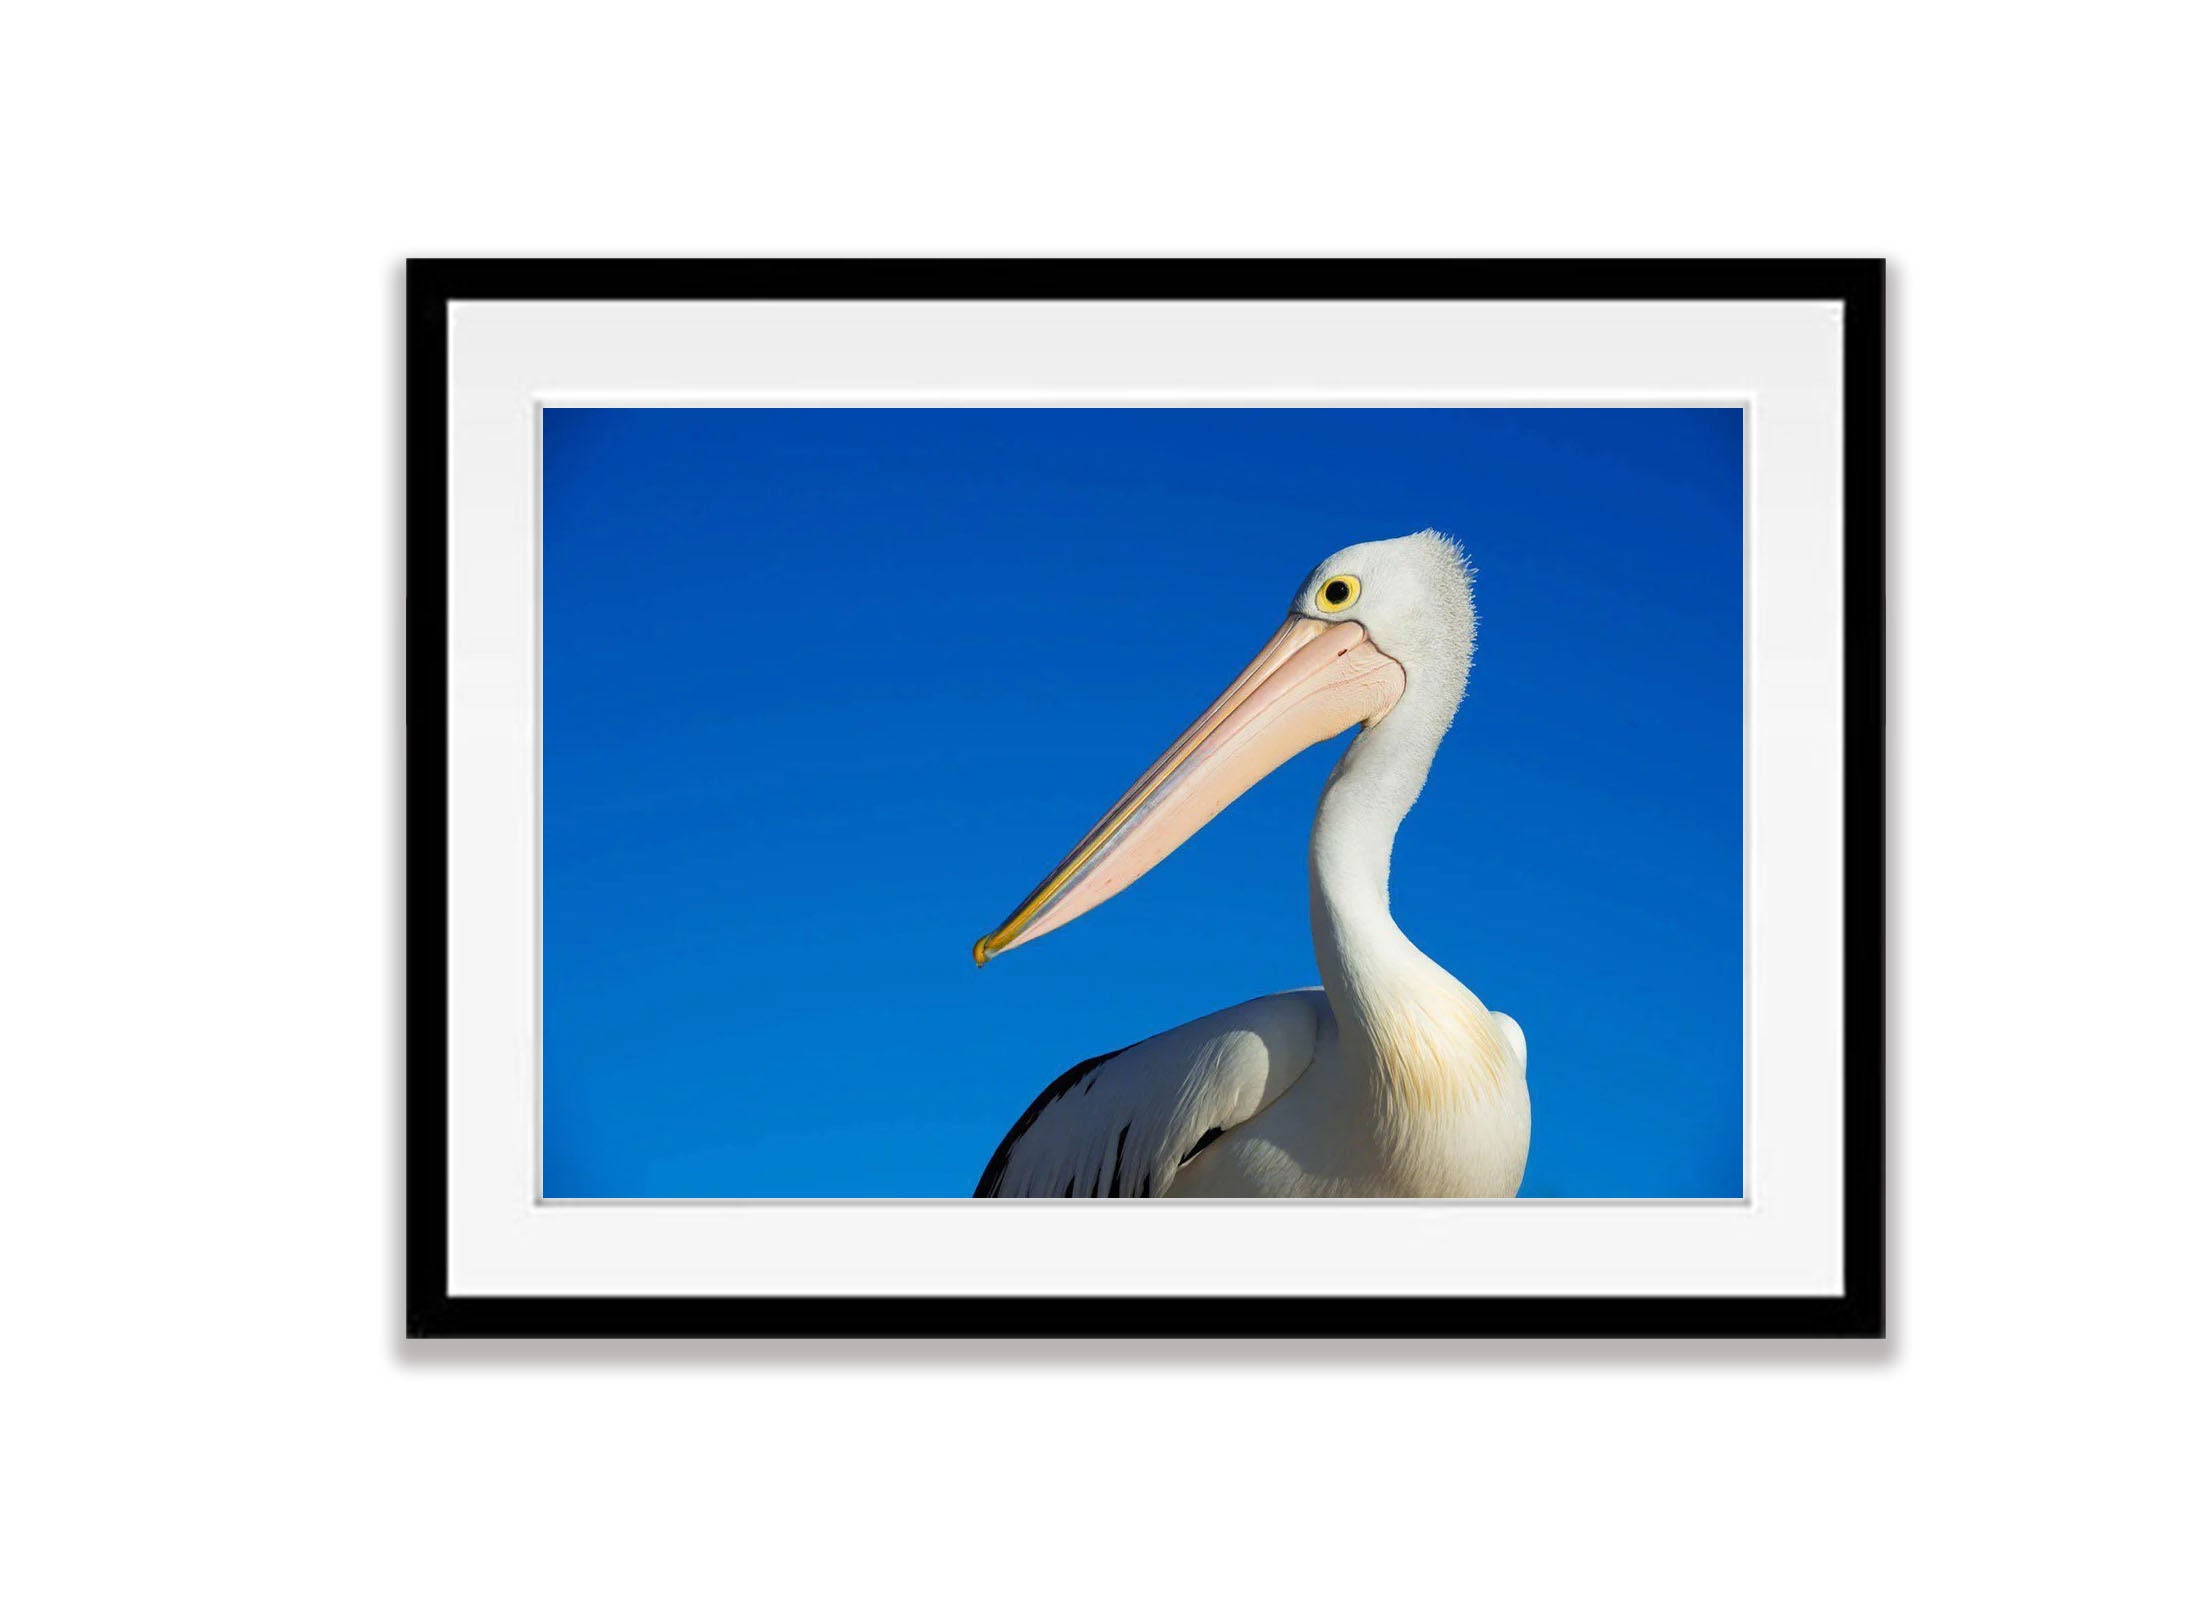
[1859,1311]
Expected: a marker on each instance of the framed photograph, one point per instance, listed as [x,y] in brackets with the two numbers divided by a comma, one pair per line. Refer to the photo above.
[1159,798]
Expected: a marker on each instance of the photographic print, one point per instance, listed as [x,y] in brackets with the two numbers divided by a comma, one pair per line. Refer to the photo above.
[1145,798]
[825,691]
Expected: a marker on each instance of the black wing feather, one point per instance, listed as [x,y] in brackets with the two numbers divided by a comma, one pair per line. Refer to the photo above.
[1166,1101]
[989,1182]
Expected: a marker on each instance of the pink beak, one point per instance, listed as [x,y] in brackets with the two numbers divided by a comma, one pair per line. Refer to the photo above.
[1310,682]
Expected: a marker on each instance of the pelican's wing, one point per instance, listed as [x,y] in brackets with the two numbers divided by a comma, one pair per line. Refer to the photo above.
[1121,1124]
[1518,1040]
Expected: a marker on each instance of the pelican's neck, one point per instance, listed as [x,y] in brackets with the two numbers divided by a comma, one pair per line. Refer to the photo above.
[1369,793]
[1375,977]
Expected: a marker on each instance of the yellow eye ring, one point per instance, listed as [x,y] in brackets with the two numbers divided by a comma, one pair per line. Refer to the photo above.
[1337,592]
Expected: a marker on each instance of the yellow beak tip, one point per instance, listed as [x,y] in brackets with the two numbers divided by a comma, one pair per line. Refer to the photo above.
[980,952]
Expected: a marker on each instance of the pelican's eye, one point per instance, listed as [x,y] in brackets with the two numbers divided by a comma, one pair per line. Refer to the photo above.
[1338,593]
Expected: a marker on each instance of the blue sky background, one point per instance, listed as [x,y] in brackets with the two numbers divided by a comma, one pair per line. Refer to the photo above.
[827,691]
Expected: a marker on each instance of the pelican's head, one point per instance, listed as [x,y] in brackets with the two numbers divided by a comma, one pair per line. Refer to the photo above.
[1415,599]
[1365,624]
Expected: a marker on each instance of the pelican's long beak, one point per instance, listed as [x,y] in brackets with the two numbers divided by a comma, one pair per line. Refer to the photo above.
[1313,680]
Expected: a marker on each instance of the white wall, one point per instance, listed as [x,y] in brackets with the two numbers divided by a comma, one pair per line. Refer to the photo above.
[198,670]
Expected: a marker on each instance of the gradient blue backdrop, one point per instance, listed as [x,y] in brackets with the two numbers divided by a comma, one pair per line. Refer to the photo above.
[827,691]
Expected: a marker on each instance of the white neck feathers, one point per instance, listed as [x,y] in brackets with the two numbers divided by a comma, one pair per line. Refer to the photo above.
[1410,1025]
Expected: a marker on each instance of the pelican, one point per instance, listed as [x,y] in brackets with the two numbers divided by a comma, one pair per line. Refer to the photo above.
[1391,1079]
